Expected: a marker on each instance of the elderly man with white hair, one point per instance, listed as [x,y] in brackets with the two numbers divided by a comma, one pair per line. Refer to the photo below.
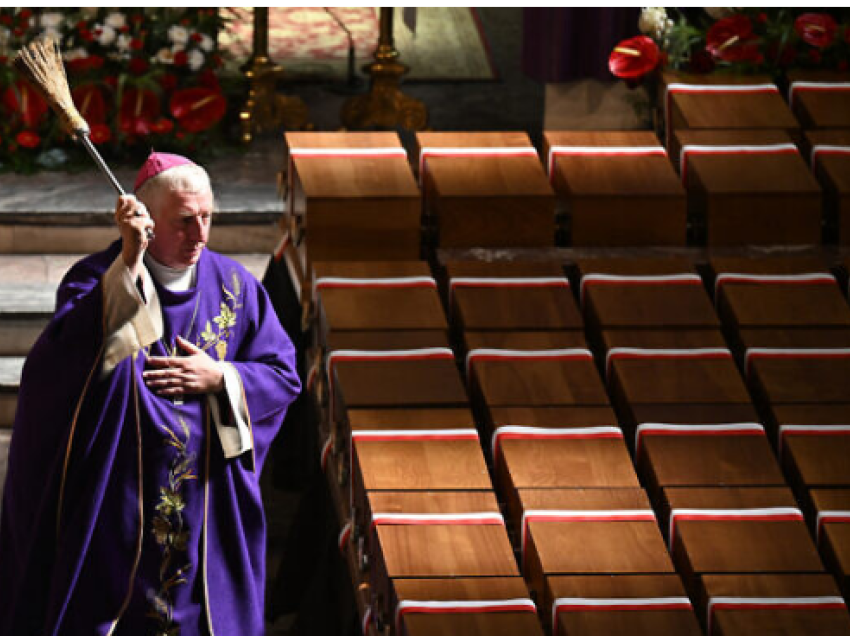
[132,504]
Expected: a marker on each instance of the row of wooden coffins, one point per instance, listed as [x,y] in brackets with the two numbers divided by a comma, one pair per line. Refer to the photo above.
[581,455]
[736,168]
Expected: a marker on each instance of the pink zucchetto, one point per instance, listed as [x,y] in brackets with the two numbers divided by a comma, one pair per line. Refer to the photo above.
[159,162]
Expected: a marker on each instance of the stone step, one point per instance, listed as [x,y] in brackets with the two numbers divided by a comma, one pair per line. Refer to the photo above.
[28,286]
[10,381]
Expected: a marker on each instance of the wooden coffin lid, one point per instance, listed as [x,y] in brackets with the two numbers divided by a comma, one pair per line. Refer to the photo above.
[693,413]
[651,294]
[832,523]
[566,416]
[793,604]
[794,337]
[627,604]
[608,547]
[455,610]
[729,530]
[817,104]
[816,454]
[435,549]
[381,308]
[370,269]
[562,378]
[517,295]
[370,382]
[439,459]
[789,376]
[346,176]
[564,457]
[729,173]
[726,110]
[482,176]
[606,174]
[829,151]
[392,419]
[737,454]
[677,376]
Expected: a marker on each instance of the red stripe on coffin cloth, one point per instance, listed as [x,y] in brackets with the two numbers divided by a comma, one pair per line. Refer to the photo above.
[442,535]
[737,530]
[722,101]
[615,527]
[820,99]
[618,187]
[744,197]
[547,417]
[831,521]
[794,376]
[641,605]
[369,210]
[735,454]
[556,458]
[469,606]
[487,197]
[829,157]
[794,604]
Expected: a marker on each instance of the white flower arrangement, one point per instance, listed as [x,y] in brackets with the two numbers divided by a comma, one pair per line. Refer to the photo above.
[178,34]
[207,44]
[195,59]
[105,34]
[654,22]
[50,20]
[123,42]
[116,20]
[165,56]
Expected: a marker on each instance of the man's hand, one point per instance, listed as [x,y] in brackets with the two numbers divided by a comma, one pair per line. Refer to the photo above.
[133,222]
[195,372]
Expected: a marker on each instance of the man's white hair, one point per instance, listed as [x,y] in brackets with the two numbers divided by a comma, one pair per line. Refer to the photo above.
[189,178]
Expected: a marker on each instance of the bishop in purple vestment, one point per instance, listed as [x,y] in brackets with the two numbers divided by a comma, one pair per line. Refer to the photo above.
[132,502]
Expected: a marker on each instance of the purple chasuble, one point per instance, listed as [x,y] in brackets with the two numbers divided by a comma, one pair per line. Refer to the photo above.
[121,514]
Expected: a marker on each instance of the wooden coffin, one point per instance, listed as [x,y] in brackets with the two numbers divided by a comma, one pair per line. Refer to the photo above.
[511,296]
[467,606]
[737,530]
[589,531]
[434,535]
[674,376]
[644,294]
[792,604]
[355,195]
[832,531]
[639,605]
[778,293]
[820,99]
[635,414]
[558,377]
[829,156]
[737,454]
[424,378]
[523,340]
[526,457]
[485,189]
[722,102]
[618,188]
[816,455]
[795,376]
[414,460]
[386,305]
[747,188]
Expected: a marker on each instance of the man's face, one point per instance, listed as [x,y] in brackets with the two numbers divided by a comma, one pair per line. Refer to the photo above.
[182,227]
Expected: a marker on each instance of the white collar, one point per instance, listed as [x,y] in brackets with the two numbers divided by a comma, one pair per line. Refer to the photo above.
[172,279]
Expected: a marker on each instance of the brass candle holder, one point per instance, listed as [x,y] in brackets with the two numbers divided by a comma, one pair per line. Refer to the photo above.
[384,106]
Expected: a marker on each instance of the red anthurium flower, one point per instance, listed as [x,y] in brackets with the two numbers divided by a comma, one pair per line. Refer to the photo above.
[28,139]
[732,40]
[817,29]
[23,99]
[81,64]
[89,101]
[198,109]
[208,78]
[138,66]
[162,126]
[138,108]
[100,133]
[181,58]
[634,57]
[168,81]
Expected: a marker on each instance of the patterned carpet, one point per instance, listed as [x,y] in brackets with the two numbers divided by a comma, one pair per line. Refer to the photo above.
[448,44]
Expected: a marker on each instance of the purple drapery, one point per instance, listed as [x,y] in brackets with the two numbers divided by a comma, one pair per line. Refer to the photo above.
[565,44]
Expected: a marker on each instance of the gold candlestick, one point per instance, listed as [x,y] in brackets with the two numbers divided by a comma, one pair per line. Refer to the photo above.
[265,110]
[385,106]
